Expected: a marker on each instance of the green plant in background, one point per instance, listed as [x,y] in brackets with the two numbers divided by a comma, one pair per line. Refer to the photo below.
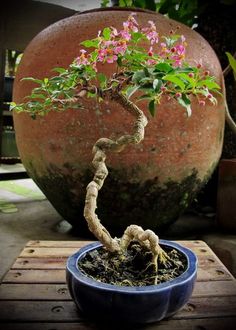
[142,71]
[232,63]
[231,66]
[184,11]
[13,58]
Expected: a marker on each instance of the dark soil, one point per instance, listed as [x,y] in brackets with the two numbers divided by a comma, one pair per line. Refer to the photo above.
[136,269]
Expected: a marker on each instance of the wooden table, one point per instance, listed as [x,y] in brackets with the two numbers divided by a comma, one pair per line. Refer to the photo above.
[34,296]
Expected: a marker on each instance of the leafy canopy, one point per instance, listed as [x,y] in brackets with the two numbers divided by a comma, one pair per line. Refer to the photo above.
[147,66]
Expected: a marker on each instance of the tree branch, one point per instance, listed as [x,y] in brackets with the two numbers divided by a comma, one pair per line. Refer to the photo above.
[101,172]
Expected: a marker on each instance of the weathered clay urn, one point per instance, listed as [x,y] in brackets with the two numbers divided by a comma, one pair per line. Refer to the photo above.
[149,184]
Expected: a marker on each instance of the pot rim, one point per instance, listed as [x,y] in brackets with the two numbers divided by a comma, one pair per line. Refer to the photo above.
[187,275]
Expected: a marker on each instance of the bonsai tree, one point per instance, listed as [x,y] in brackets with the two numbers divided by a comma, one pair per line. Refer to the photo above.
[146,67]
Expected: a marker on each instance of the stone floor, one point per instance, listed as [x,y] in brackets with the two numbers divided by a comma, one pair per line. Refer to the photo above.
[26,214]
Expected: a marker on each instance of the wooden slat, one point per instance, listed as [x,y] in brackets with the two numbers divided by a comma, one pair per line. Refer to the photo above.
[57,244]
[34,292]
[198,307]
[40,263]
[79,244]
[213,274]
[214,289]
[48,252]
[35,276]
[53,251]
[60,291]
[205,261]
[66,311]
[53,311]
[195,324]
[52,326]
[58,275]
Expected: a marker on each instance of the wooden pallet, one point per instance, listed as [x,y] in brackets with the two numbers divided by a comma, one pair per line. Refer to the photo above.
[34,295]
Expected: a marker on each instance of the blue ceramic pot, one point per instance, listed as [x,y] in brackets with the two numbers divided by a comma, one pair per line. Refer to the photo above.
[130,304]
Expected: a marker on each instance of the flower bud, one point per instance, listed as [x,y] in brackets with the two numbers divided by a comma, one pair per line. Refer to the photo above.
[163,88]
[202,102]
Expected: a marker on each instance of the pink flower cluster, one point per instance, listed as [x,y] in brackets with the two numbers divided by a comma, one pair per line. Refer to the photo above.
[108,50]
[176,53]
[151,33]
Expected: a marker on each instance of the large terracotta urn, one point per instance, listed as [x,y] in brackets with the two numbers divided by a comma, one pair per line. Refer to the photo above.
[149,184]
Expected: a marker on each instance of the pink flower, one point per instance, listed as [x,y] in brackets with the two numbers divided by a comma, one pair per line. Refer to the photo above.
[151,33]
[125,35]
[131,24]
[151,62]
[107,55]
[111,59]
[164,50]
[180,49]
[120,47]
[153,37]
[114,32]
[82,59]
[178,55]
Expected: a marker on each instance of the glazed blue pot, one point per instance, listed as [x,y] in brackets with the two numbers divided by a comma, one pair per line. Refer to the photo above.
[130,304]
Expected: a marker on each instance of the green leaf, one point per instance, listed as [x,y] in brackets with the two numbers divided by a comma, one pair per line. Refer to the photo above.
[60,70]
[152,108]
[12,105]
[186,77]
[102,79]
[37,81]
[37,96]
[163,67]
[185,69]
[104,3]
[145,80]
[90,43]
[146,72]
[171,40]
[144,97]
[208,83]
[131,90]
[157,84]
[138,75]
[175,80]
[232,61]
[136,36]
[119,61]
[106,33]
[186,103]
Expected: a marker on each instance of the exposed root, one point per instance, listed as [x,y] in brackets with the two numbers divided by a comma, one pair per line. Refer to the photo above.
[135,269]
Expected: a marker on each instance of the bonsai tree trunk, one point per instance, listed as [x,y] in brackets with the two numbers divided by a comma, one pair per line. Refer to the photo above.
[133,232]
